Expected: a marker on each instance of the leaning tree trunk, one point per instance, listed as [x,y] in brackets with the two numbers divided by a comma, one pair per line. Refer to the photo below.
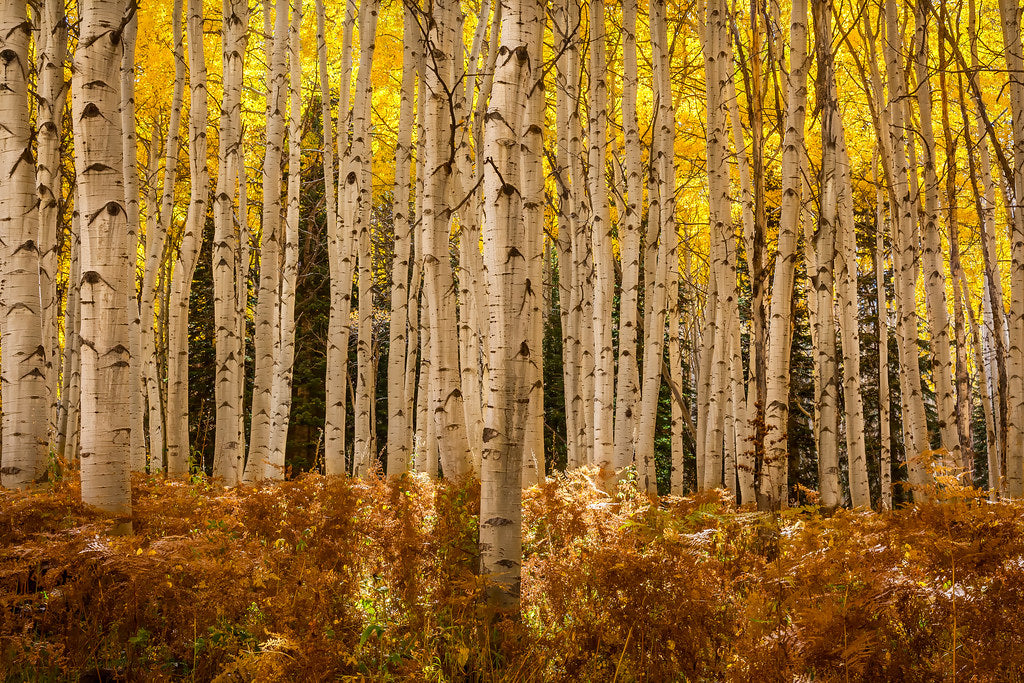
[105,262]
[23,364]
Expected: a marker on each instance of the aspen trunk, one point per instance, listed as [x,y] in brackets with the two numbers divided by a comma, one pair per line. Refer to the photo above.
[157,228]
[445,386]
[507,244]
[660,224]
[904,254]
[884,397]
[365,451]
[341,253]
[628,388]
[51,54]
[931,257]
[178,447]
[267,318]
[132,199]
[1010,15]
[601,244]
[773,488]
[105,263]
[400,422]
[229,455]
[274,468]
[23,365]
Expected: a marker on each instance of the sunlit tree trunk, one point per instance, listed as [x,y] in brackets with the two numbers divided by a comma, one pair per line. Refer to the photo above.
[267,318]
[904,252]
[400,434]
[600,227]
[849,332]
[157,228]
[507,244]
[1010,15]
[660,223]
[178,447]
[444,382]
[229,456]
[23,369]
[628,388]
[132,209]
[105,263]
[884,397]
[274,468]
[51,53]
[341,254]
[931,256]
[365,451]
[773,489]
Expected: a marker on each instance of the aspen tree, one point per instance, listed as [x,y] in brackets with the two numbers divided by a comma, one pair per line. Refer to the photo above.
[71,386]
[274,468]
[773,488]
[341,253]
[51,53]
[105,264]
[1010,15]
[603,260]
[563,35]
[659,223]
[532,184]
[931,256]
[884,397]
[399,418]
[229,455]
[904,257]
[849,332]
[444,382]
[267,319]
[961,378]
[583,263]
[23,363]
[132,209]
[178,447]
[507,241]
[157,228]
[821,272]
[365,451]
[628,388]
[985,204]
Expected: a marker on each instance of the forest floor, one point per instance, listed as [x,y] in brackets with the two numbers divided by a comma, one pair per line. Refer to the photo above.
[338,579]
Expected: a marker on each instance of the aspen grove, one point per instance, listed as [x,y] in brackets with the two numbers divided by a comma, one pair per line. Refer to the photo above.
[750,255]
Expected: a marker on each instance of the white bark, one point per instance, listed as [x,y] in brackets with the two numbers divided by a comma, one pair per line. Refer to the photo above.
[105,262]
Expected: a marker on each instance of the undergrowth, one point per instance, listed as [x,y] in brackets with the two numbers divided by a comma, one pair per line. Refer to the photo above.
[337,579]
